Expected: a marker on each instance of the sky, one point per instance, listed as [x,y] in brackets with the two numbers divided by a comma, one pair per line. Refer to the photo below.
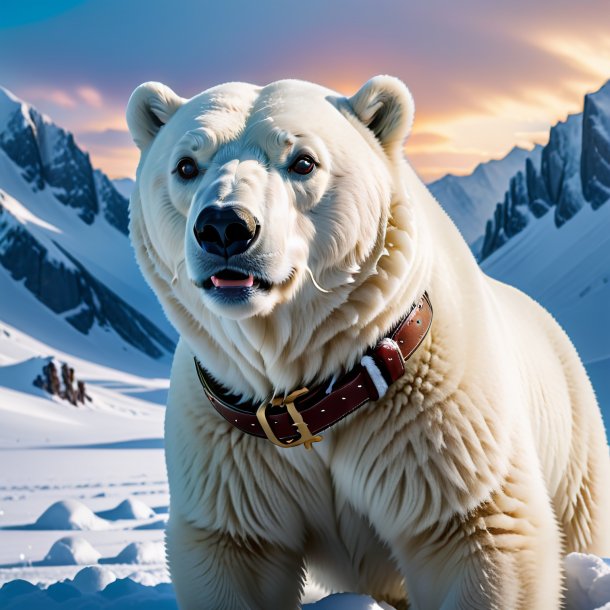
[485,76]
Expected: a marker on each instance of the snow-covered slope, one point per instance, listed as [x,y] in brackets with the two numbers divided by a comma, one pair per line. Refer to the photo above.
[470,200]
[63,241]
[550,235]
[567,270]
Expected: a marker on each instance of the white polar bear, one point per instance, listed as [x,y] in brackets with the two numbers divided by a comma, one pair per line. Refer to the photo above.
[285,234]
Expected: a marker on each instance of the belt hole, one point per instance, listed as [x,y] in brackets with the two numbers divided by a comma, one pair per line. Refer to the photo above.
[235,421]
[343,398]
[359,385]
[322,410]
[419,321]
[253,424]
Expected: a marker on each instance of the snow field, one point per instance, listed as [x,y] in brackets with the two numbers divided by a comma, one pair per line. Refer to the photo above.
[92,588]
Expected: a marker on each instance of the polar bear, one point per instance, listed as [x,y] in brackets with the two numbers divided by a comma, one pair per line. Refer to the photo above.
[285,236]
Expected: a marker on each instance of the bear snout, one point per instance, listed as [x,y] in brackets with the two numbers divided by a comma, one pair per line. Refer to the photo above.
[225,231]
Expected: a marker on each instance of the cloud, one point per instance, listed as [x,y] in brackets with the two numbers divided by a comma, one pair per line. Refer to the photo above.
[57,97]
[484,74]
[91,96]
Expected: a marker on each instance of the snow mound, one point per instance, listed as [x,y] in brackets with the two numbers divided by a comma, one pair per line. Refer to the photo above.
[62,592]
[588,582]
[20,376]
[129,594]
[124,587]
[128,509]
[143,578]
[71,551]
[69,515]
[93,579]
[142,553]
[588,588]
[16,588]
[160,524]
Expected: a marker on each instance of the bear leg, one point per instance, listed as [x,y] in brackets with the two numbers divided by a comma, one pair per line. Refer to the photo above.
[215,571]
[503,555]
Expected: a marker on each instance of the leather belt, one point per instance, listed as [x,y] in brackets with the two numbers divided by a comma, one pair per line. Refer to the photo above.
[298,419]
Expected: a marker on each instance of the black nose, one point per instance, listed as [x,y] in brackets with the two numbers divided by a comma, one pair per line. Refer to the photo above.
[225,231]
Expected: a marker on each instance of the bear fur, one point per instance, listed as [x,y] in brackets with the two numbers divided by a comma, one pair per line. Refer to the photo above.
[462,487]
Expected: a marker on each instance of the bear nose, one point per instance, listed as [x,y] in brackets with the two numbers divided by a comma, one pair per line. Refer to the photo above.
[226,230]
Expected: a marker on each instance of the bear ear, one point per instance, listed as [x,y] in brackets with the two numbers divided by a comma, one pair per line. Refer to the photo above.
[385,106]
[150,106]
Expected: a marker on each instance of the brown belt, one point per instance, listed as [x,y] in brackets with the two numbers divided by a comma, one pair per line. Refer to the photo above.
[298,418]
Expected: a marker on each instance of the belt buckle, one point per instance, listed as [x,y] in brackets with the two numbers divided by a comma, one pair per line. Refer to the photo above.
[306,437]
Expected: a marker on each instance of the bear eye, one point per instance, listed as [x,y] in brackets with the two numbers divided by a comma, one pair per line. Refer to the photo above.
[186,168]
[302,165]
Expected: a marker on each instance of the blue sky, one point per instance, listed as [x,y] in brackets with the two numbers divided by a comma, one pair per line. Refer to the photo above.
[485,75]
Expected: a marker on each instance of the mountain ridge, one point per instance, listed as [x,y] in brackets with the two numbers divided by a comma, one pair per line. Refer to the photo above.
[64,236]
[471,198]
[574,171]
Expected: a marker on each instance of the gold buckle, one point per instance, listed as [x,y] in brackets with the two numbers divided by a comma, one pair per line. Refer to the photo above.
[306,438]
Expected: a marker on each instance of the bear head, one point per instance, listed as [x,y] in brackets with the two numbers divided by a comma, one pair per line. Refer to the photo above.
[259,212]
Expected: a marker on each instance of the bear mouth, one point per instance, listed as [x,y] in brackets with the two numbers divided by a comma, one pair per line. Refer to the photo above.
[228,281]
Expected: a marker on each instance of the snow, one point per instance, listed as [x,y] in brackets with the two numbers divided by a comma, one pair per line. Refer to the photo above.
[141,553]
[15,214]
[71,550]
[51,223]
[588,582]
[93,579]
[117,411]
[587,578]
[22,214]
[128,509]
[129,593]
[41,332]
[69,515]
[470,200]
[20,376]
[8,100]
[566,270]
[8,104]
[560,266]
[153,525]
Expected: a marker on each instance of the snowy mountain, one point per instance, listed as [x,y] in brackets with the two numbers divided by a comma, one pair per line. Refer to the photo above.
[573,172]
[64,252]
[124,186]
[551,235]
[567,270]
[470,200]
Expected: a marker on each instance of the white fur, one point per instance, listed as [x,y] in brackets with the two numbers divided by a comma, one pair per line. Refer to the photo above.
[375,374]
[467,481]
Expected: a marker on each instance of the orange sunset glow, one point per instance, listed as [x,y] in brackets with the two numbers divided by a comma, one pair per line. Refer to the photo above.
[485,78]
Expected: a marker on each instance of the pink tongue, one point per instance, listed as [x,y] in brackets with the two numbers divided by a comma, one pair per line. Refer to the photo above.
[247,282]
